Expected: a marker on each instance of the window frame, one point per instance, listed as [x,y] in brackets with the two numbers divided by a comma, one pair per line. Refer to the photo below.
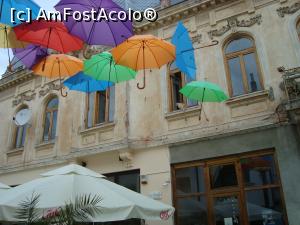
[95,112]
[240,55]
[240,190]
[46,111]
[15,133]
[183,77]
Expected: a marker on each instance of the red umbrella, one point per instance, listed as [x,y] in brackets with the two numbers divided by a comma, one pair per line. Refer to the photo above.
[50,34]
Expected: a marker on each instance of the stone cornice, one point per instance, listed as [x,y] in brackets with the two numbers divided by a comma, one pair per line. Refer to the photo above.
[15,78]
[177,12]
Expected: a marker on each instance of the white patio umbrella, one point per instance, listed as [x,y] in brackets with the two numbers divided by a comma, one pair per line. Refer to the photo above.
[3,189]
[63,185]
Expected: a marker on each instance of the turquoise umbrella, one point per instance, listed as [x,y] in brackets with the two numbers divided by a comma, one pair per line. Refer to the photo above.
[203,91]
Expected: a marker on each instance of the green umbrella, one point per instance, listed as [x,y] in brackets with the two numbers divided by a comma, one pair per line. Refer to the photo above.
[103,67]
[203,91]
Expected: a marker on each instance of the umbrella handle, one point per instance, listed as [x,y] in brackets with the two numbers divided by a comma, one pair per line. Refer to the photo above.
[61,87]
[144,83]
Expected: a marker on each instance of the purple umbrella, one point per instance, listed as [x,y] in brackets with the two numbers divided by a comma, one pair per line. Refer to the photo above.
[96,32]
[30,55]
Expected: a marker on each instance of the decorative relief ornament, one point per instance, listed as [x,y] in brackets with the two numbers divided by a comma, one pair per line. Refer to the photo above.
[28,96]
[50,87]
[233,23]
[288,9]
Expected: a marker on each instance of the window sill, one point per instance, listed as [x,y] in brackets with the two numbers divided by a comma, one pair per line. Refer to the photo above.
[100,127]
[184,113]
[248,99]
[16,151]
[45,145]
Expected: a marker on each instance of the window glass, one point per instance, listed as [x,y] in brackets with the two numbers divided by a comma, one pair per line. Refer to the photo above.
[238,45]
[258,171]
[190,180]
[101,106]
[236,76]
[252,72]
[91,109]
[130,179]
[223,176]
[227,210]
[54,122]
[20,136]
[47,126]
[264,207]
[53,104]
[176,82]
[192,211]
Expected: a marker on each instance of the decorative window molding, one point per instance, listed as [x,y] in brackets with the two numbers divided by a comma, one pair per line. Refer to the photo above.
[27,96]
[282,11]
[52,86]
[233,23]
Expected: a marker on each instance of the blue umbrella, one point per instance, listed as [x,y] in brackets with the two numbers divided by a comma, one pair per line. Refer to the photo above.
[185,57]
[87,84]
[18,5]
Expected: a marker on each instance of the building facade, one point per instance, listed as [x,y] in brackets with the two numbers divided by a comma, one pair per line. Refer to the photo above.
[238,165]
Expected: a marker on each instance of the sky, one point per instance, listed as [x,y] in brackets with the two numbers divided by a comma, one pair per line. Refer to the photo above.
[45,4]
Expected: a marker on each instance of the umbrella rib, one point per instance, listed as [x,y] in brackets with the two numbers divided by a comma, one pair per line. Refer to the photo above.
[166,50]
[60,40]
[153,55]
[112,34]
[63,62]
[137,57]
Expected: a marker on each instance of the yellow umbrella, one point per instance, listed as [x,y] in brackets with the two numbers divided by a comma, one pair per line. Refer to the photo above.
[58,66]
[142,52]
[8,39]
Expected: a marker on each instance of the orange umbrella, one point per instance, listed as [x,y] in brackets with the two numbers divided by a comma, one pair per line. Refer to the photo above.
[58,66]
[142,52]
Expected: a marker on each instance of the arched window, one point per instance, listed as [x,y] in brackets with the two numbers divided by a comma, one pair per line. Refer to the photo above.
[242,66]
[20,134]
[298,28]
[50,119]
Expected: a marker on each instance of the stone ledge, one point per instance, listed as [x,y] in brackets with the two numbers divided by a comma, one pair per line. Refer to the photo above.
[14,152]
[182,114]
[45,145]
[248,99]
[100,127]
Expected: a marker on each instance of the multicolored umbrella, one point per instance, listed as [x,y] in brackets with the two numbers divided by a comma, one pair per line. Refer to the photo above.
[203,91]
[23,5]
[50,34]
[185,56]
[30,55]
[142,52]
[103,67]
[58,66]
[87,84]
[110,33]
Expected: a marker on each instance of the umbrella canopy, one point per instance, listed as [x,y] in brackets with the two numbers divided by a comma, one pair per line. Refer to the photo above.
[50,34]
[203,91]
[63,185]
[6,6]
[113,32]
[8,38]
[185,56]
[103,67]
[57,66]
[87,84]
[30,55]
[142,52]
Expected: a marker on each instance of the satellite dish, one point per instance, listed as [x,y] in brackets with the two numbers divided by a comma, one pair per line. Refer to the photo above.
[22,117]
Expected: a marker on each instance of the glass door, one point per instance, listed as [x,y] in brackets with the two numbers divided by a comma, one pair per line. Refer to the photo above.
[226,210]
